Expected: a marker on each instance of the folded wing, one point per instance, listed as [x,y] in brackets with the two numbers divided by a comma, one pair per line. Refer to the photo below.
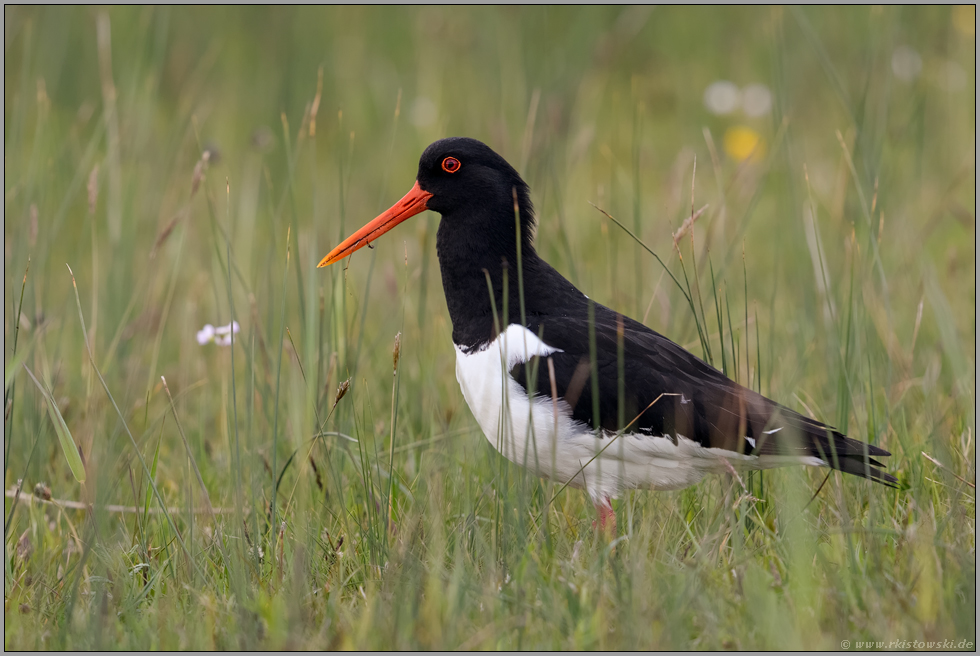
[669,392]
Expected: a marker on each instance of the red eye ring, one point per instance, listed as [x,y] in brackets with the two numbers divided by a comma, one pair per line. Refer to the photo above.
[450,165]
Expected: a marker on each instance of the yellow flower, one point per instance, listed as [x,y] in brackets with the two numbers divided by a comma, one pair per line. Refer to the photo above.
[743,142]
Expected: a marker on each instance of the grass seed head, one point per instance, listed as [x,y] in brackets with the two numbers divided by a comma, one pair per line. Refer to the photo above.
[341,391]
[199,169]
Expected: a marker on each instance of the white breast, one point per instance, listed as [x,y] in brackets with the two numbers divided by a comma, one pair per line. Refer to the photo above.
[541,434]
[524,432]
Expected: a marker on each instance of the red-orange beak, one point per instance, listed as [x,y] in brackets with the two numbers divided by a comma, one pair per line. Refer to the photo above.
[411,204]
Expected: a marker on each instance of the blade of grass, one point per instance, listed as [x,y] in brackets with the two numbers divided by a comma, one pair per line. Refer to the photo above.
[13,506]
[275,422]
[498,328]
[637,196]
[648,250]
[61,429]
[686,293]
[153,469]
[122,419]
[10,370]
[745,300]
[11,367]
[319,435]
[721,325]
[396,354]
[192,459]
[731,338]
[697,276]
[291,189]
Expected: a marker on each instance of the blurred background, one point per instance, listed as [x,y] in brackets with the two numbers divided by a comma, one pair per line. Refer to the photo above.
[171,155]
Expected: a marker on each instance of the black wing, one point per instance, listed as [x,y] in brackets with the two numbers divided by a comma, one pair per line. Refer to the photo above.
[670,392]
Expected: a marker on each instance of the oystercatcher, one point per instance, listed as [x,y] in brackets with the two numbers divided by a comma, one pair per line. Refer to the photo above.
[565,386]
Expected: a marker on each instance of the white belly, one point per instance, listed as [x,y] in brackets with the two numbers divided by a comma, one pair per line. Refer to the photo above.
[542,436]
[524,432]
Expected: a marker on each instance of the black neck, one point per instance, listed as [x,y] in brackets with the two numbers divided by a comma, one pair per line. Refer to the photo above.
[471,249]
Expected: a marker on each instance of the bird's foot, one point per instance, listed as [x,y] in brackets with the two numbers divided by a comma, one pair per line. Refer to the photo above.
[607,518]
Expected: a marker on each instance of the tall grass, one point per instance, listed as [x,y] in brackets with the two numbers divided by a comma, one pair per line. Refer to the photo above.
[295,490]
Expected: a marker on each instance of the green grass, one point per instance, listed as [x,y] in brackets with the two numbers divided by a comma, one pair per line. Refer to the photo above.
[385,520]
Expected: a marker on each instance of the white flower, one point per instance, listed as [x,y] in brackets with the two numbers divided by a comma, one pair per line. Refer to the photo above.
[205,335]
[220,335]
[756,100]
[722,97]
[906,63]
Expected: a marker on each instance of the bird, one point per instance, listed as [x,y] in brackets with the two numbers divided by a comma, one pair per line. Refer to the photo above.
[569,388]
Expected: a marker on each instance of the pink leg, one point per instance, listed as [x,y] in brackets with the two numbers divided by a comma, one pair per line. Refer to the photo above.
[607,517]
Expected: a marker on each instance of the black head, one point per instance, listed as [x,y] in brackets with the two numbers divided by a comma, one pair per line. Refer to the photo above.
[471,186]
[466,177]
[478,241]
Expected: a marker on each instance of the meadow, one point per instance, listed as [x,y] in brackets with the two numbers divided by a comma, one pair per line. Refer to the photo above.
[292,485]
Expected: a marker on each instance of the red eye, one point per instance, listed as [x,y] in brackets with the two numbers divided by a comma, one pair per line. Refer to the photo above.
[450,165]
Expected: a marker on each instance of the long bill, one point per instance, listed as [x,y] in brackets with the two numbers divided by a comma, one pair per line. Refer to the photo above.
[411,204]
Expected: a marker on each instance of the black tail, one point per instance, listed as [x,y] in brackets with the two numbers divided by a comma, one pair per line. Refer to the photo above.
[851,456]
[830,445]
[866,469]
